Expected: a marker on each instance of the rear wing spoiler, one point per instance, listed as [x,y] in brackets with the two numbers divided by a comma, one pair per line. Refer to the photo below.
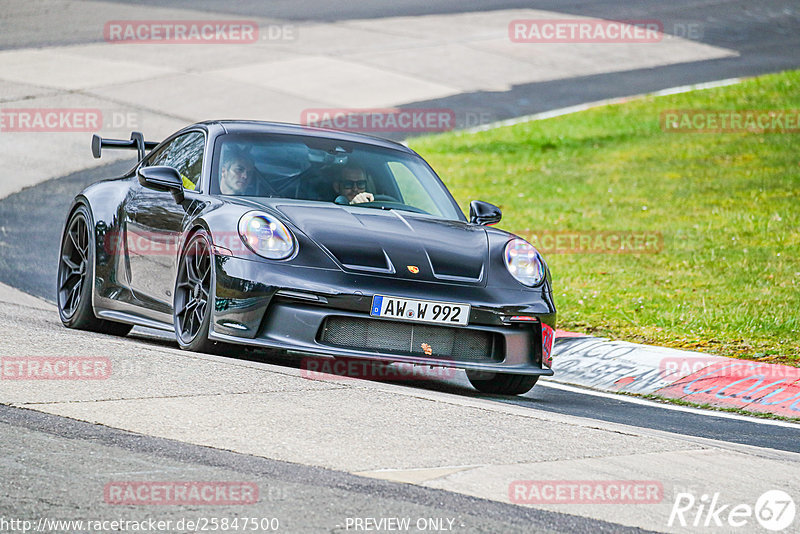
[136,142]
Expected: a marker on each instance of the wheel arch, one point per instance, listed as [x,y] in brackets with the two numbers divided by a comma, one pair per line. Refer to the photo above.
[202,343]
[104,201]
[192,229]
[78,202]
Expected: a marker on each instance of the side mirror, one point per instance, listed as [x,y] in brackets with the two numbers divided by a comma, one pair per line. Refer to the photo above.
[484,213]
[162,178]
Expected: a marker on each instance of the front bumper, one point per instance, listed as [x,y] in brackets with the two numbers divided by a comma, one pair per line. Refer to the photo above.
[325,312]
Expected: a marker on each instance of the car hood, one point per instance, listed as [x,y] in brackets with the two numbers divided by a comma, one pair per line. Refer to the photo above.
[394,243]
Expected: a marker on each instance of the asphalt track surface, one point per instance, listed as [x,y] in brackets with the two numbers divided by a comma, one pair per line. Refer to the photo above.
[761,33]
[764,33]
[57,466]
[550,397]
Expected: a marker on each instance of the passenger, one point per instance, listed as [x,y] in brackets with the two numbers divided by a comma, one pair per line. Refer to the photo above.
[351,186]
[237,174]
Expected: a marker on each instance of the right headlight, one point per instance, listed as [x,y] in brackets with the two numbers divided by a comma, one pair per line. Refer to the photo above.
[524,262]
[266,235]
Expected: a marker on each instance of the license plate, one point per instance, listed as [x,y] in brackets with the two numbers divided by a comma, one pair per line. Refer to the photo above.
[423,311]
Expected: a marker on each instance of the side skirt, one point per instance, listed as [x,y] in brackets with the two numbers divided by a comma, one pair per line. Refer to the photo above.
[131,318]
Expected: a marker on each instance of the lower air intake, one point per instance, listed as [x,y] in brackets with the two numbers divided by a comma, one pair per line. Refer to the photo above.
[410,339]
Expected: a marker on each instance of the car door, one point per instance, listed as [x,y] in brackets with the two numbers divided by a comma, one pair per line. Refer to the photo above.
[154,223]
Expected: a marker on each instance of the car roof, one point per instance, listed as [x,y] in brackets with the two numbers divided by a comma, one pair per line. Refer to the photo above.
[252,126]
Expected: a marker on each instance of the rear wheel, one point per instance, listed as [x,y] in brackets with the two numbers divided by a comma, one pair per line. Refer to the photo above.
[75,278]
[501,383]
[193,295]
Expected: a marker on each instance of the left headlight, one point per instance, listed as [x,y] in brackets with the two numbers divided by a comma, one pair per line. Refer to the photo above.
[524,262]
[266,236]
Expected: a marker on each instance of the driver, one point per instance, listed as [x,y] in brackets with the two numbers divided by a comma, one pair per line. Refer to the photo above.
[351,186]
[237,174]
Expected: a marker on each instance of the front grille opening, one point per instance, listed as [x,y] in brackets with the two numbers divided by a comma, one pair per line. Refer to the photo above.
[412,339]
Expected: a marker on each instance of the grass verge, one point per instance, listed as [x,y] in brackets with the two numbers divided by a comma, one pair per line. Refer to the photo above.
[726,277]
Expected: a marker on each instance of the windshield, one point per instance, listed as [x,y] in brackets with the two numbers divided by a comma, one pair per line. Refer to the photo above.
[327,170]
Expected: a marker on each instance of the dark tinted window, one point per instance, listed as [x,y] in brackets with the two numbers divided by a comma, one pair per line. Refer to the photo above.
[327,170]
[185,153]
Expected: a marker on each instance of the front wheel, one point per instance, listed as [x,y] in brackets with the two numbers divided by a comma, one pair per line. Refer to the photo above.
[501,383]
[192,311]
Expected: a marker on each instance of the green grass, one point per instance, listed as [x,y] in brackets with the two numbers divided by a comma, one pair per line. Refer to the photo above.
[727,280]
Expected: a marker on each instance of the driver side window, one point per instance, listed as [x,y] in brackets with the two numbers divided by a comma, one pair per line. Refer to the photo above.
[184,153]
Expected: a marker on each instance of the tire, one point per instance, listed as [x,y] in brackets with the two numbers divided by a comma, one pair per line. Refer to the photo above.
[76,276]
[501,383]
[192,301]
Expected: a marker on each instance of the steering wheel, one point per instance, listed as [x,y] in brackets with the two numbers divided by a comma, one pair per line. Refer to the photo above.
[385,198]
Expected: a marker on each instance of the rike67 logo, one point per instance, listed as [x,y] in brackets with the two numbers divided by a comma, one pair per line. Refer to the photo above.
[774,510]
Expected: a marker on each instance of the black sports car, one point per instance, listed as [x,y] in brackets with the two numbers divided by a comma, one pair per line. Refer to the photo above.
[312,241]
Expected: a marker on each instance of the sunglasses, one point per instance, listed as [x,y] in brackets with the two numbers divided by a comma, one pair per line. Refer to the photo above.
[354,184]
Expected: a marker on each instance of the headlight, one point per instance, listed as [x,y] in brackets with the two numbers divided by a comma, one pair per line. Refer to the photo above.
[265,235]
[523,262]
